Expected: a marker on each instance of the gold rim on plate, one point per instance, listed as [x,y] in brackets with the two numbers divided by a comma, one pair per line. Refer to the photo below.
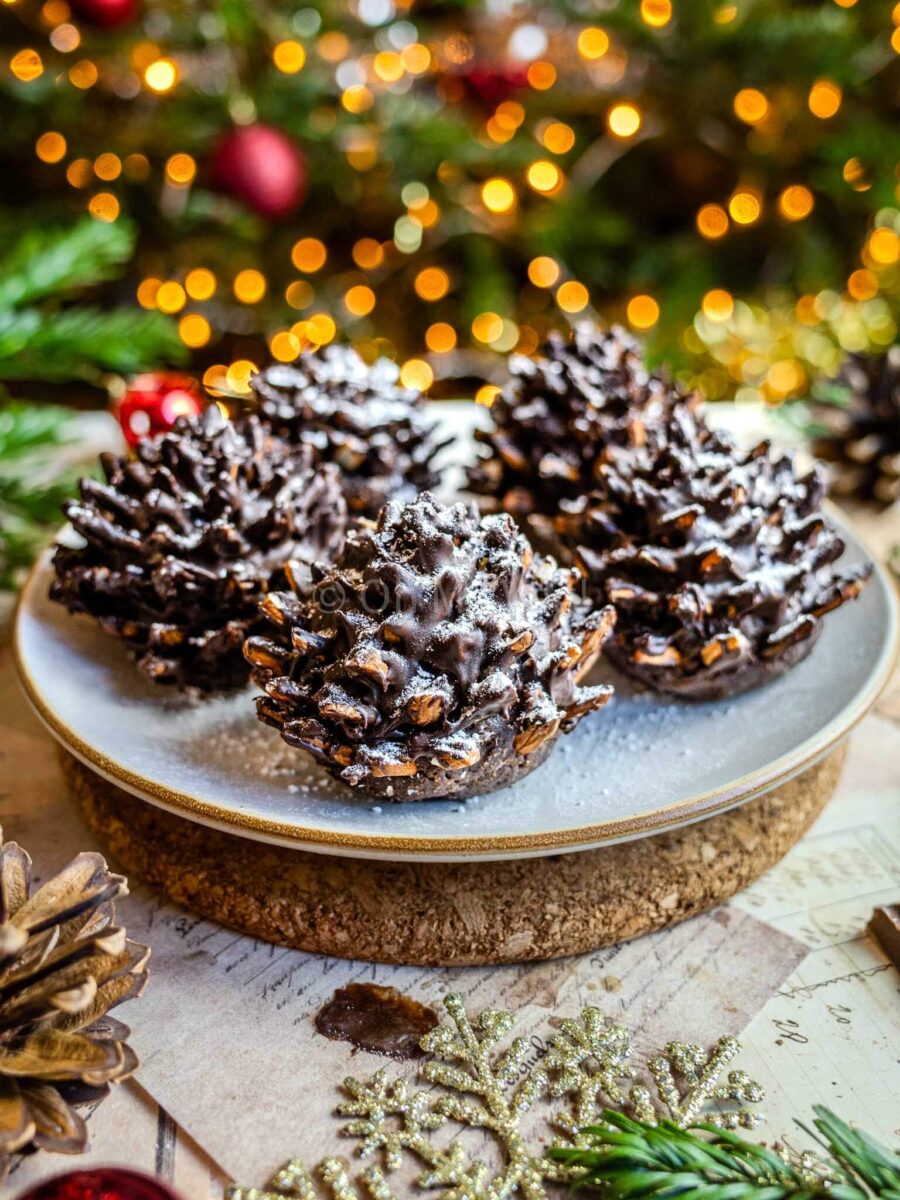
[581,837]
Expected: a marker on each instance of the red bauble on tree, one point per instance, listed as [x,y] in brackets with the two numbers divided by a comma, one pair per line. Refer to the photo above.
[153,403]
[261,166]
[104,14]
[489,83]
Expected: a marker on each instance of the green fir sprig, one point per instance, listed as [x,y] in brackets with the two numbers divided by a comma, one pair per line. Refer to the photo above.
[51,333]
[53,261]
[83,343]
[633,1160]
[45,338]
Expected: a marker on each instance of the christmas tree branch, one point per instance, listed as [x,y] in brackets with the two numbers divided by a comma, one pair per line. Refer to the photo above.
[635,1160]
[44,262]
[41,341]
[44,339]
[80,343]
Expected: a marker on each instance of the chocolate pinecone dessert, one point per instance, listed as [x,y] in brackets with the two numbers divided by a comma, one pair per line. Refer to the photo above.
[719,562]
[861,443]
[436,658]
[64,964]
[357,416]
[183,540]
[560,412]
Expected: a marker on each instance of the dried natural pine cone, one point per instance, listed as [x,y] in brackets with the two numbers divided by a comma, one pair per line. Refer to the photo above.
[357,416]
[559,413]
[183,540]
[436,658]
[718,561]
[862,442]
[64,963]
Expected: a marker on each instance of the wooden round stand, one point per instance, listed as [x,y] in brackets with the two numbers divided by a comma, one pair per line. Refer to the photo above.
[452,913]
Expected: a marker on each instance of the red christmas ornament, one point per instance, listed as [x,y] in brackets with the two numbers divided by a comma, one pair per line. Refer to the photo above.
[104,1183]
[489,84]
[153,403]
[261,166]
[104,14]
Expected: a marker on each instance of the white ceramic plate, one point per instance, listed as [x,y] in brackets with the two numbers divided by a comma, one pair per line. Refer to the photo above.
[641,765]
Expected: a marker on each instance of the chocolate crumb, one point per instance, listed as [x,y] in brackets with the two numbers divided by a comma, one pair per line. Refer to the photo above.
[884,926]
[381,1020]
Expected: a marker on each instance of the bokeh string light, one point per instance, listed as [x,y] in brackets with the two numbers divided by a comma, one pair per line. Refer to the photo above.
[466,183]
[773,351]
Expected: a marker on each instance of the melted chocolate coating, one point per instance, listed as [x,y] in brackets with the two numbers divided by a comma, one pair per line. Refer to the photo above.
[560,412]
[719,561]
[378,1019]
[358,416]
[436,658]
[182,541]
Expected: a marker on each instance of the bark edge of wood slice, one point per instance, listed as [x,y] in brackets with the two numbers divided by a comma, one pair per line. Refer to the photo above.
[451,914]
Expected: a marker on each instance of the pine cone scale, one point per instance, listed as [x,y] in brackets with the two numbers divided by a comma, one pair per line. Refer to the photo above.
[15,883]
[17,1121]
[52,1054]
[65,964]
[57,1126]
[77,892]
[54,983]
[127,983]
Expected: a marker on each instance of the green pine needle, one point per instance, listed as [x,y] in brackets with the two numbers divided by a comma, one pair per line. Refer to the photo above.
[42,341]
[861,1154]
[46,262]
[632,1160]
[81,343]
[46,337]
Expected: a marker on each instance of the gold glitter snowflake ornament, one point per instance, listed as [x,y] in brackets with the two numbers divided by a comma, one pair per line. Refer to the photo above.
[375,1104]
[481,1093]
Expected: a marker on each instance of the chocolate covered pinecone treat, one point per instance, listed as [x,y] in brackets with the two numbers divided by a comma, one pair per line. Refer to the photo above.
[183,540]
[719,562]
[861,441]
[64,964]
[559,413]
[357,416]
[436,658]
